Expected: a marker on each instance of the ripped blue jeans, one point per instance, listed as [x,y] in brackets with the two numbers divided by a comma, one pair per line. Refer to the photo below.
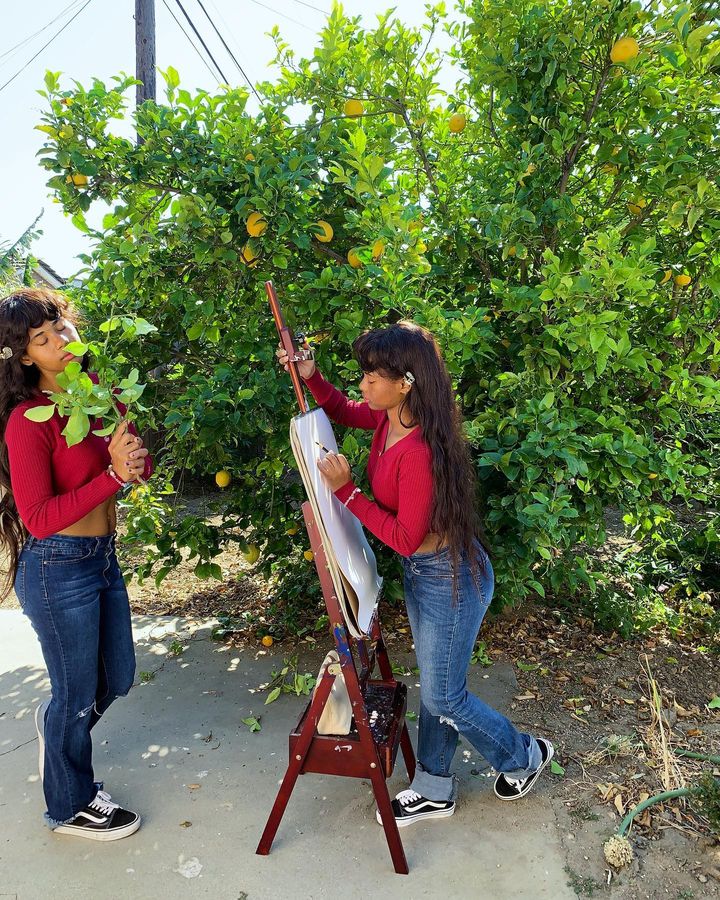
[72,591]
[444,631]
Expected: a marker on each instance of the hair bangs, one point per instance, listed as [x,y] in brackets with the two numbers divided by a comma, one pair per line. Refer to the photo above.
[374,352]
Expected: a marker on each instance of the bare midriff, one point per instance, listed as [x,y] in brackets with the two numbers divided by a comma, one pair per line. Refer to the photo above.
[430,544]
[97,523]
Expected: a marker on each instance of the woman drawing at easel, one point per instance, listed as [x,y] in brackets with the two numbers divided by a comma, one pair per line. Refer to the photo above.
[424,488]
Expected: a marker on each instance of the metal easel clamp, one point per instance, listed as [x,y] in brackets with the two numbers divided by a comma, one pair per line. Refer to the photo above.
[301,354]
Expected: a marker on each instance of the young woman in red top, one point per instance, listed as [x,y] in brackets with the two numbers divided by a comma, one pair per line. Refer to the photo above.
[424,507]
[57,525]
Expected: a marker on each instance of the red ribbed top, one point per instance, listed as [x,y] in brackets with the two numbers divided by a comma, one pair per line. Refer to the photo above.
[54,485]
[401,477]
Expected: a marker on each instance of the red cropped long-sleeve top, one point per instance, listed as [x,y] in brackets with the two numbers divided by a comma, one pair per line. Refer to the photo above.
[54,485]
[401,477]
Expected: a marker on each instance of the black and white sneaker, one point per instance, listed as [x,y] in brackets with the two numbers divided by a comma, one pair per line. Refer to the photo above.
[40,728]
[409,807]
[514,788]
[101,820]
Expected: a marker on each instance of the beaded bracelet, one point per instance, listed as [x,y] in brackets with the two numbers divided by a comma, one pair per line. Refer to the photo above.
[356,491]
[115,477]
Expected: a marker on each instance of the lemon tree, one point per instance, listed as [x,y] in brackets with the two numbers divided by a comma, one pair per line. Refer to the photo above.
[554,220]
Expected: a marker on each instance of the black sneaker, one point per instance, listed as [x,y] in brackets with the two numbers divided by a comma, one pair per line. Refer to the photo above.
[101,820]
[40,728]
[409,807]
[515,788]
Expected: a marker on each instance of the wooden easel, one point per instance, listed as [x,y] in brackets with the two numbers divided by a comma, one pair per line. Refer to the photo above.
[378,704]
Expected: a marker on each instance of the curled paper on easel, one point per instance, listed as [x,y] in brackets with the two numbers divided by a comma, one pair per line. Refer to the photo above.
[350,559]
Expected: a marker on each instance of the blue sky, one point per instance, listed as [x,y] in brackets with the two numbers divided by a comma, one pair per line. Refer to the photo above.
[100,42]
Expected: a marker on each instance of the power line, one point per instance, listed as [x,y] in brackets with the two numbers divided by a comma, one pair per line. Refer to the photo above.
[45,46]
[179,25]
[232,55]
[199,37]
[284,15]
[310,6]
[39,31]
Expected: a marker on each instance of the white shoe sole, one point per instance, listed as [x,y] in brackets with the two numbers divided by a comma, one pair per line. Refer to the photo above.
[411,820]
[113,834]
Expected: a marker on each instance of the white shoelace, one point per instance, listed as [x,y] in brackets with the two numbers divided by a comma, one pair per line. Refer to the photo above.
[408,796]
[103,803]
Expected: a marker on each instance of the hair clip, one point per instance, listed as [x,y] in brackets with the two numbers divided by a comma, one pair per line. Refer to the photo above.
[409,378]
[6,352]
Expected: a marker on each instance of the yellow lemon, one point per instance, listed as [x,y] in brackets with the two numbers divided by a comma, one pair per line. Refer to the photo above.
[666,277]
[353,108]
[250,157]
[249,256]
[293,529]
[223,478]
[252,554]
[309,555]
[512,250]
[421,246]
[256,224]
[457,123]
[652,476]
[378,248]
[636,207]
[267,641]
[624,49]
[682,280]
[354,259]
[77,179]
[326,231]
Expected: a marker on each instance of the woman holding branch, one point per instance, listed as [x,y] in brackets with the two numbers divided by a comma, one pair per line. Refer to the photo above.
[424,507]
[57,525]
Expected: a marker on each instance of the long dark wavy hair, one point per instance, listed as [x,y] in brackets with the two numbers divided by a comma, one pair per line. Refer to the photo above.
[22,310]
[431,404]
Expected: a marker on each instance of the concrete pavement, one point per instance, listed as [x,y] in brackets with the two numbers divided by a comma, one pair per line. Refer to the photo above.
[177,751]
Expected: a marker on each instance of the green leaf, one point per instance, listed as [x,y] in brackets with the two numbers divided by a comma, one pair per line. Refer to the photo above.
[76,348]
[104,432]
[273,695]
[714,703]
[40,413]
[698,35]
[556,768]
[252,723]
[597,338]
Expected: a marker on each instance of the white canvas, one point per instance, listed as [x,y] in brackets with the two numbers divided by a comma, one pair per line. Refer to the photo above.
[350,558]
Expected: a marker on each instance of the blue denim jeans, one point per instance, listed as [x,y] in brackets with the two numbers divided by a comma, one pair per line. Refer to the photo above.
[72,591]
[444,629]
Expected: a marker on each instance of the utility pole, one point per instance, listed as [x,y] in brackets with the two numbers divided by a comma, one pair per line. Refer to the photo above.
[145,50]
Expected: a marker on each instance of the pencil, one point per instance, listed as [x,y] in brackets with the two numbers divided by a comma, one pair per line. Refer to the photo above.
[322,447]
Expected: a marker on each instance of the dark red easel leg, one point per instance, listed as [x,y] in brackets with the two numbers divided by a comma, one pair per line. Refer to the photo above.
[293,770]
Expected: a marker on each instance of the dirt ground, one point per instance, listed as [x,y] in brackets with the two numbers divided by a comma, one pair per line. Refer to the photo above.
[615,710]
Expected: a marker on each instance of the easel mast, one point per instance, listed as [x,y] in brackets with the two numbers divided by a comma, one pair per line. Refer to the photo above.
[378,705]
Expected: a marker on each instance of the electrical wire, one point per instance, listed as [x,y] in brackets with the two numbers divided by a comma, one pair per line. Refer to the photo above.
[232,55]
[179,25]
[45,46]
[40,31]
[310,6]
[284,15]
[199,37]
